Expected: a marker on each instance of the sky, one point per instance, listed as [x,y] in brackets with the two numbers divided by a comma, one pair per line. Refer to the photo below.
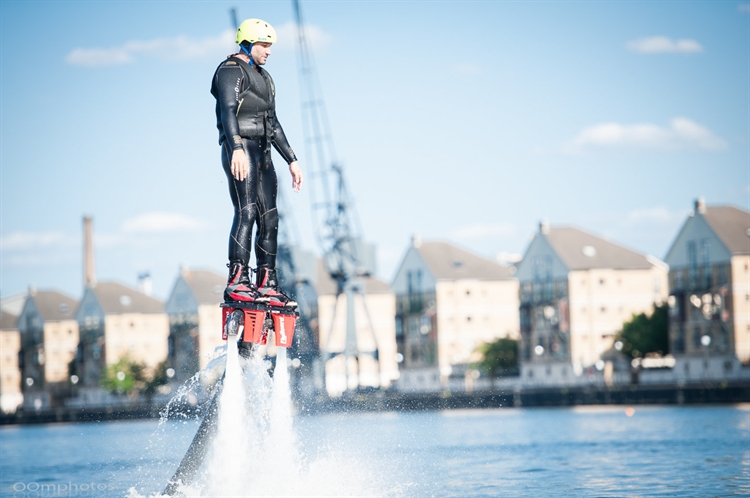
[466,121]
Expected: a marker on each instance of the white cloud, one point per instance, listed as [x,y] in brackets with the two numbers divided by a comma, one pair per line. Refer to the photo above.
[23,241]
[483,230]
[161,223]
[682,133]
[744,8]
[657,214]
[664,45]
[180,48]
[188,48]
[317,39]
[148,223]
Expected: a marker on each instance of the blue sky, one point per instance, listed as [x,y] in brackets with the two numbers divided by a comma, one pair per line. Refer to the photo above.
[460,121]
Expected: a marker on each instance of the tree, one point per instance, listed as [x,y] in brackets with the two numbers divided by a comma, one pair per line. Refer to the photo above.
[124,377]
[646,334]
[499,358]
[159,378]
[130,377]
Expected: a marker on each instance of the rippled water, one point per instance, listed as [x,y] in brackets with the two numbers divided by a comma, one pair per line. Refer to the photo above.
[596,451]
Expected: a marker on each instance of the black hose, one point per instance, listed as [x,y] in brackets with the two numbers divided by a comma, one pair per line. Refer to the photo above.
[195,454]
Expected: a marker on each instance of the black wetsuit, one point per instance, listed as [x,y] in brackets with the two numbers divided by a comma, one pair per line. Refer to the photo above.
[246,118]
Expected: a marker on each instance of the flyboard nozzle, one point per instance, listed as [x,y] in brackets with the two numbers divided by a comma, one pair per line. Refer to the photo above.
[257,322]
[234,321]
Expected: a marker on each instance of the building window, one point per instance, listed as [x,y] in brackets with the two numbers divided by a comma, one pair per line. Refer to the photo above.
[692,261]
[696,337]
[536,268]
[705,256]
[705,252]
[679,345]
[425,326]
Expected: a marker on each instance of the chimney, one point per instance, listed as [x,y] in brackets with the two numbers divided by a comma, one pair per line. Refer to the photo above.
[544,227]
[700,205]
[144,283]
[416,241]
[89,276]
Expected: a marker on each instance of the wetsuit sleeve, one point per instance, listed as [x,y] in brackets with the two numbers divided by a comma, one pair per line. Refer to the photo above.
[228,85]
[281,144]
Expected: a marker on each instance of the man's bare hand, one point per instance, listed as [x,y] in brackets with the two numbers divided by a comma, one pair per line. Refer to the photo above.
[240,164]
[296,172]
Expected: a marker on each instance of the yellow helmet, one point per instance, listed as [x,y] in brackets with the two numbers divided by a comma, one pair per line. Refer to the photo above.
[255,30]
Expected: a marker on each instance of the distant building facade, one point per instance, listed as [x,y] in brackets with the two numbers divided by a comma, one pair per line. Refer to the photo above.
[374,330]
[576,291]
[194,320]
[117,321]
[709,298]
[10,374]
[49,340]
[449,302]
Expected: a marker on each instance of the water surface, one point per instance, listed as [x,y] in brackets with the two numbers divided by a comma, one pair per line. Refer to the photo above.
[592,451]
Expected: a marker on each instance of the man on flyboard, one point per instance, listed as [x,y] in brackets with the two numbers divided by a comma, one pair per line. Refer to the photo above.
[247,123]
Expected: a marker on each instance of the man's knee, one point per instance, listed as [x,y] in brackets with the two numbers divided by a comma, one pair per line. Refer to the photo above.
[271,219]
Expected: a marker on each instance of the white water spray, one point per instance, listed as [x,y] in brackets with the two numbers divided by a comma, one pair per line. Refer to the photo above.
[255,451]
[228,460]
[254,448]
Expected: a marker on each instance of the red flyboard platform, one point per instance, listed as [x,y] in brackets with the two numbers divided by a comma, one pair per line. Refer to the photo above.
[258,321]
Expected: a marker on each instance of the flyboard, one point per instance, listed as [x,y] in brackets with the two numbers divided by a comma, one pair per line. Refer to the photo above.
[256,321]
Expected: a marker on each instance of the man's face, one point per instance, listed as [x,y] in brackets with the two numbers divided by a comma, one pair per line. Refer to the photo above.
[260,52]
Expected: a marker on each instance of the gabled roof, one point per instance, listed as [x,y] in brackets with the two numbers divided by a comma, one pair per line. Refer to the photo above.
[732,226]
[448,262]
[13,304]
[207,287]
[8,321]
[580,250]
[54,306]
[325,285]
[115,298]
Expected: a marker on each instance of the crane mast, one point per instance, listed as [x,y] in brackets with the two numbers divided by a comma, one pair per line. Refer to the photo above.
[337,229]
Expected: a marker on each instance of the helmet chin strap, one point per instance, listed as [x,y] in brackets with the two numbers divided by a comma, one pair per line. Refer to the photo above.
[247,52]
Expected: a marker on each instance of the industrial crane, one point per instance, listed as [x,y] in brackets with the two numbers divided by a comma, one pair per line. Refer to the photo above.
[338,231]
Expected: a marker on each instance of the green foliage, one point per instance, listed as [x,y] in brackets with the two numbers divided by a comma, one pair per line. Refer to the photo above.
[130,377]
[125,376]
[159,378]
[646,334]
[499,358]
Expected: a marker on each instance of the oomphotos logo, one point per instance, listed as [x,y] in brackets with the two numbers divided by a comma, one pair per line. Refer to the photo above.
[37,489]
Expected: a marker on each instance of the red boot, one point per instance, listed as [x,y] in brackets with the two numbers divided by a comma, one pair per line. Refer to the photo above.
[268,287]
[239,288]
